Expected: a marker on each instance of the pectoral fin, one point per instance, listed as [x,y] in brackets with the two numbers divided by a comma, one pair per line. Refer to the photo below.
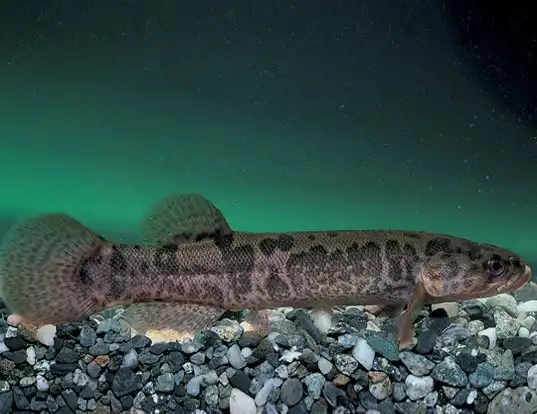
[405,328]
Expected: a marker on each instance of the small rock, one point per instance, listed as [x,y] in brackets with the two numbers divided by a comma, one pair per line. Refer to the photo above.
[532,377]
[504,301]
[291,392]
[345,363]
[363,353]
[450,373]
[416,364]
[241,403]
[235,357]
[381,386]
[506,325]
[517,401]
[528,306]
[418,387]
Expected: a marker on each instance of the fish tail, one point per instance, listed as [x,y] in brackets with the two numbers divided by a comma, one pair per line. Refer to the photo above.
[40,261]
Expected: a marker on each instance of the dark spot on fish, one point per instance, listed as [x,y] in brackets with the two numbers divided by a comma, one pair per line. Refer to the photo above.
[409,250]
[311,237]
[371,251]
[394,256]
[365,258]
[410,235]
[393,247]
[275,284]
[437,245]
[336,258]
[84,274]
[332,233]
[267,246]
[181,238]
[224,240]
[445,256]
[117,260]
[117,287]
[285,242]
[202,236]
[144,267]
[239,262]
[170,246]
[314,258]
[410,259]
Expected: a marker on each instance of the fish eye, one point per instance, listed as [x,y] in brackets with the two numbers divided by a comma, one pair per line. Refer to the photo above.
[495,267]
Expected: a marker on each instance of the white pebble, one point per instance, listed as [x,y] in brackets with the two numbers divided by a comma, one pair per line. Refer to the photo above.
[241,403]
[46,335]
[532,377]
[418,387]
[42,383]
[472,395]
[264,393]
[491,333]
[193,387]
[3,346]
[363,353]
[246,352]
[528,322]
[372,326]
[529,306]
[475,326]
[30,355]
[322,320]
[290,356]
[325,366]
[524,332]
[235,357]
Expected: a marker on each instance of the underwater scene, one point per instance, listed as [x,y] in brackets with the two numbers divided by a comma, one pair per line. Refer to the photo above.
[266,207]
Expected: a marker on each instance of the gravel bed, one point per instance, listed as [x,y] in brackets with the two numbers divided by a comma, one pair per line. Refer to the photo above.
[477,356]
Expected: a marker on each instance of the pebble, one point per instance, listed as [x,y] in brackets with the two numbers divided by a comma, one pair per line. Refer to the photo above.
[363,353]
[418,387]
[532,377]
[416,364]
[292,391]
[241,403]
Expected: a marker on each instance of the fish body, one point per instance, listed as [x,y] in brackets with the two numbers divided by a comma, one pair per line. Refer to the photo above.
[193,268]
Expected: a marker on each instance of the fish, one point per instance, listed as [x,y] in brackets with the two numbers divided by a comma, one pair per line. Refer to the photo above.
[192,267]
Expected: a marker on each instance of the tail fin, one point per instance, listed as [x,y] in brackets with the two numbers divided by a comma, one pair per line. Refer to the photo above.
[39,269]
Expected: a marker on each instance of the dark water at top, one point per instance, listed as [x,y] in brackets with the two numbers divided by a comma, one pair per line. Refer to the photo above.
[289,115]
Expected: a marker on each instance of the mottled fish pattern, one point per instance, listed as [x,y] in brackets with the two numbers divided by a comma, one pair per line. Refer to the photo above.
[53,269]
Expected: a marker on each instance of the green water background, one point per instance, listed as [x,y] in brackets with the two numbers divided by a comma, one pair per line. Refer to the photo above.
[286,116]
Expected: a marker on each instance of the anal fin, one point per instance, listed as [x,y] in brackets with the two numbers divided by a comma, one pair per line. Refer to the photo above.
[169,321]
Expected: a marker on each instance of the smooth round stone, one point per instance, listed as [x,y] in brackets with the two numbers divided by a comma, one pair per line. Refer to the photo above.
[523,332]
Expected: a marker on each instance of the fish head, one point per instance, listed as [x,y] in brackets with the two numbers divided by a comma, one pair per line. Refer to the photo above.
[469,270]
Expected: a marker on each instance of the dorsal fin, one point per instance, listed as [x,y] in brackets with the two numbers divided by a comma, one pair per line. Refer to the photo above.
[182,218]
